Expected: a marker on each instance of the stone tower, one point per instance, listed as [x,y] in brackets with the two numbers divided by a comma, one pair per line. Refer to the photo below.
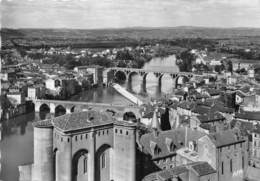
[42,168]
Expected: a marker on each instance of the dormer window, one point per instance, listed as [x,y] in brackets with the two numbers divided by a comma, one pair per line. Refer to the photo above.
[157,150]
[154,148]
[173,147]
[170,145]
[192,146]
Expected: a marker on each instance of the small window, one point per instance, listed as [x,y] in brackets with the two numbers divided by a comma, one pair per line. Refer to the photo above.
[81,137]
[68,139]
[243,162]
[76,138]
[121,131]
[116,130]
[85,165]
[231,166]
[126,133]
[86,136]
[61,139]
[222,168]
[103,132]
[103,160]
[107,131]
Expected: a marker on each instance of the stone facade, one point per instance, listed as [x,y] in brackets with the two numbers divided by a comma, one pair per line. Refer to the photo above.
[229,156]
[84,146]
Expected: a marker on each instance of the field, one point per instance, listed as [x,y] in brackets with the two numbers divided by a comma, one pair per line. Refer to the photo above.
[126,36]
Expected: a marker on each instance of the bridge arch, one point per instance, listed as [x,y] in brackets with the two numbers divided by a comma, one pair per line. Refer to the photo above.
[44,107]
[129,116]
[44,111]
[136,112]
[103,160]
[183,78]
[129,80]
[80,165]
[120,76]
[60,110]
[72,109]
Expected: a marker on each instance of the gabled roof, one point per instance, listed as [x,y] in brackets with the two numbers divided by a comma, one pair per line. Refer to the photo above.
[248,115]
[81,120]
[226,138]
[210,117]
[187,105]
[202,168]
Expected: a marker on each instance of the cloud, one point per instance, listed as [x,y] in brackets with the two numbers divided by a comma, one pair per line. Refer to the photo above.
[127,13]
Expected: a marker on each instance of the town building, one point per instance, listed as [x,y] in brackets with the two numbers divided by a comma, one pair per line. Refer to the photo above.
[255,158]
[158,149]
[36,92]
[197,171]
[227,152]
[82,146]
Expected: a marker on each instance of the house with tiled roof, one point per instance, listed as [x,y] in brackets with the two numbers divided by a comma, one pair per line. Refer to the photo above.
[248,116]
[240,96]
[158,149]
[251,103]
[227,152]
[185,108]
[197,171]
[212,118]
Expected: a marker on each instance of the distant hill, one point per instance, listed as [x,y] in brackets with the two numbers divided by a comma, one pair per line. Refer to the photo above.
[132,33]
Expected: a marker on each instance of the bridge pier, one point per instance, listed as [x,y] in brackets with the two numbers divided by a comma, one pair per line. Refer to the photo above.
[174,79]
[159,76]
[68,110]
[129,80]
[37,107]
[143,83]
[52,108]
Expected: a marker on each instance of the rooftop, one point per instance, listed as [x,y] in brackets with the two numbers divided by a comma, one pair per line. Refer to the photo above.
[176,137]
[226,138]
[81,120]
[248,115]
[200,168]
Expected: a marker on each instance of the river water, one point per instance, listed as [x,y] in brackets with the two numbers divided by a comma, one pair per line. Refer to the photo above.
[17,138]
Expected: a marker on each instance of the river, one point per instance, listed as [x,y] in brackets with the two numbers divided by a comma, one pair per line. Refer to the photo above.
[17,141]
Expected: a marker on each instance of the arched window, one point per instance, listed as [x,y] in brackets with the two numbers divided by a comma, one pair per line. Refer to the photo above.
[85,165]
[103,160]
[80,165]
[231,166]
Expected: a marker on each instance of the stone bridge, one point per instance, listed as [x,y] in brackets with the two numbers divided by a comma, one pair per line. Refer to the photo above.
[117,110]
[129,72]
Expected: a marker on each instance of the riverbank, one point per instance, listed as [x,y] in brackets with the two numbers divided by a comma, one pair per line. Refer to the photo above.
[127,94]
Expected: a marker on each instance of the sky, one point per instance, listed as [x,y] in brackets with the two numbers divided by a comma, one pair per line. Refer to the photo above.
[95,14]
